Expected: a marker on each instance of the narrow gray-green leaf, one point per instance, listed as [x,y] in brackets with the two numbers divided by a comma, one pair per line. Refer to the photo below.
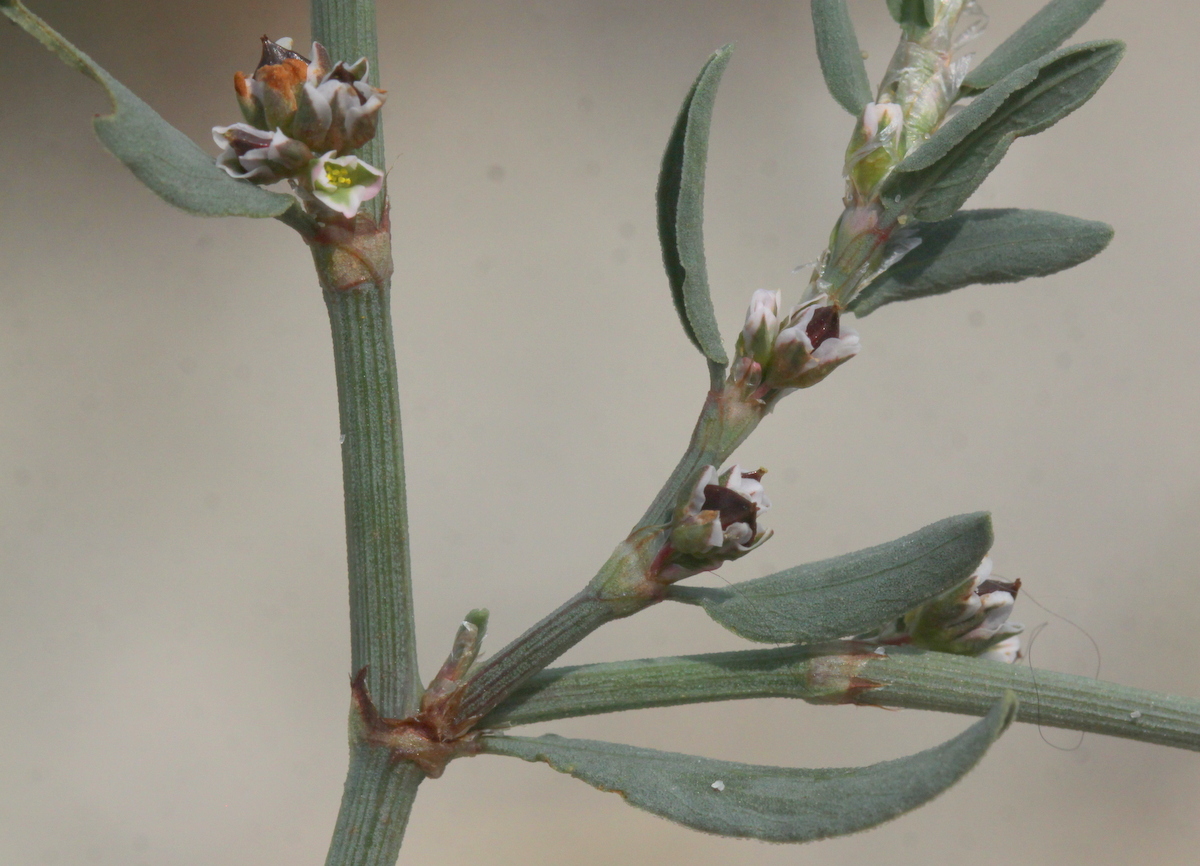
[1051,27]
[841,58]
[681,211]
[775,804]
[852,593]
[1004,245]
[936,179]
[161,156]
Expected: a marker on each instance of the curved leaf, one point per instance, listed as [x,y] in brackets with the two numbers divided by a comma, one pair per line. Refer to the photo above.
[161,156]
[1051,27]
[936,179]
[1004,245]
[681,210]
[775,804]
[849,594]
[841,58]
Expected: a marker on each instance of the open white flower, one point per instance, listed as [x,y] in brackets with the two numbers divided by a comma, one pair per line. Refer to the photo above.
[343,183]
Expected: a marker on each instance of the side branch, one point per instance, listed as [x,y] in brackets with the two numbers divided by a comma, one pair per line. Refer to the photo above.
[843,673]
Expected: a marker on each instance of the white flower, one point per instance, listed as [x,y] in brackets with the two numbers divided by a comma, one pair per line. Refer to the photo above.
[257,155]
[344,183]
[812,342]
[885,116]
[971,619]
[718,521]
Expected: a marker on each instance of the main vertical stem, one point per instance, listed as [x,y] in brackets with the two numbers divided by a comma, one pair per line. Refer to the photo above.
[354,272]
[377,543]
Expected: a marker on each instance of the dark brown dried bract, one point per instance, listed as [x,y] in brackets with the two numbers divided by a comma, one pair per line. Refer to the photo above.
[273,53]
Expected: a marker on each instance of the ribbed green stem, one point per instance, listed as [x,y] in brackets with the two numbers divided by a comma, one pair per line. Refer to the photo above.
[347,29]
[723,425]
[540,645]
[379,790]
[381,627]
[375,809]
[904,678]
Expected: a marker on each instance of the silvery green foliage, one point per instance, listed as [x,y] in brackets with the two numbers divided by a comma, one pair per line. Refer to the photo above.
[681,211]
[1002,245]
[900,238]
[841,58]
[775,804]
[937,179]
[161,156]
[1041,34]
[851,593]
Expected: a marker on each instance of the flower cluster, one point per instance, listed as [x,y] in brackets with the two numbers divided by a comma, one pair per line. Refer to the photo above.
[971,619]
[717,522]
[302,120]
[793,350]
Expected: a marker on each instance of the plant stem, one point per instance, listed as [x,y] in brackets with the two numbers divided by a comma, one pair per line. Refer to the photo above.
[724,423]
[377,544]
[622,586]
[370,824]
[540,645]
[354,272]
[838,672]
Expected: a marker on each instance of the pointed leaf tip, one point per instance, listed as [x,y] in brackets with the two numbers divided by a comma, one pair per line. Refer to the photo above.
[1003,245]
[681,211]
[159,155]
[1049,28]
[775,804]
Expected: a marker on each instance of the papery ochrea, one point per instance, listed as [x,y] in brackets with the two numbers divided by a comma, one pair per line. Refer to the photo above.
[922,83]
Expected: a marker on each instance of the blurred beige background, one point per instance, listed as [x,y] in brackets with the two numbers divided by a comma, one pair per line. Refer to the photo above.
[173,621]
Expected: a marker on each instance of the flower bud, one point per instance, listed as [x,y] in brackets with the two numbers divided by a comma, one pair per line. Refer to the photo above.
[874,149]
[757,339]
[327,106]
